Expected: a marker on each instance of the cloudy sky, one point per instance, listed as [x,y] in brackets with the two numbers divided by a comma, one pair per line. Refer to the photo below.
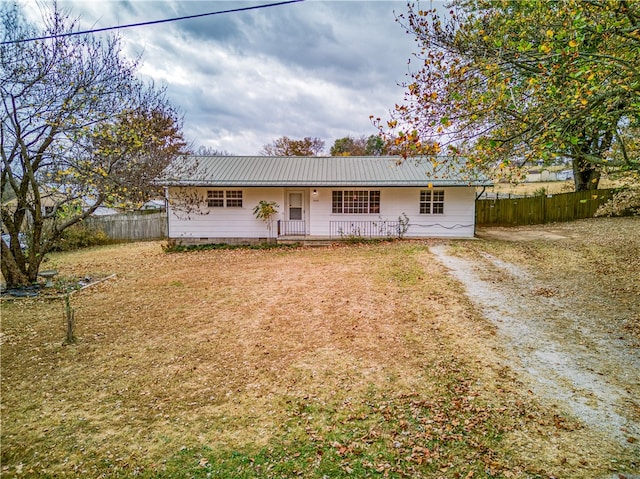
[315,68]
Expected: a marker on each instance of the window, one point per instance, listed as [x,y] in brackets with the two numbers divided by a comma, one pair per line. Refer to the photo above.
[221,198]
[432,202]
[356,202]
[215,199]
[336,202]
[234,199]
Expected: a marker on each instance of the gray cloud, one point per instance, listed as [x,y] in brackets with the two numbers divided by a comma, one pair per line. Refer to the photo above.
[315,68]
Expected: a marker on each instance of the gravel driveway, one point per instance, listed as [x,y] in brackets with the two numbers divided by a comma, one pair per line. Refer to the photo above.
[561,352]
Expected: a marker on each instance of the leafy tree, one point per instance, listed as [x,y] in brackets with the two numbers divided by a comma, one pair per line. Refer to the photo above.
[78,130]
[510,83]
[285,146]
[374,145]
[133,151]
[349,146]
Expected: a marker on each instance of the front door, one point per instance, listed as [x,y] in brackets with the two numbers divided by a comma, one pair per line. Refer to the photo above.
[295,205]
[295,225]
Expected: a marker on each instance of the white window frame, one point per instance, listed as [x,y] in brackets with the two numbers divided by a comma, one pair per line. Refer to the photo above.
[224,198]
[361,202]
[432,202]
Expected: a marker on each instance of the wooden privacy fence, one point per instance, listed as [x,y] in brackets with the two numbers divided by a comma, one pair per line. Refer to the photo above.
[535,210]
[131,226]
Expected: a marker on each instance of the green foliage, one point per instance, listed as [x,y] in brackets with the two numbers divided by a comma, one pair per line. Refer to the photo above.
[353,239]
[80,236]
[266,211]
[405,273]
[348,146]
[374,145]
[379,435]
[173,247]
[68,210]
[132,151]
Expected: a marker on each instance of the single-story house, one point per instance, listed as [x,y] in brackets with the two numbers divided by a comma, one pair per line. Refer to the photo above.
[211,199]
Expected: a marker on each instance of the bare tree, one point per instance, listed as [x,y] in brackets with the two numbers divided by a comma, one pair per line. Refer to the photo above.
[209,151]
[78,130]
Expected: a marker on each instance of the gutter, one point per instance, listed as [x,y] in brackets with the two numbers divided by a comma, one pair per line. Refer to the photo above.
[319,184]
[166,208]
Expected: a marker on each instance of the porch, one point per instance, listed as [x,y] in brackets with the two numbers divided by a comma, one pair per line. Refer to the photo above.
[296,230]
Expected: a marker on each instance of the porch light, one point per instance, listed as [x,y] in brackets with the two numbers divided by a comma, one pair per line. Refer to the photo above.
[315,192]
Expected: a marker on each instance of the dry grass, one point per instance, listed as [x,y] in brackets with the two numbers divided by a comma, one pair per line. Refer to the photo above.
[550,187]
[363,361]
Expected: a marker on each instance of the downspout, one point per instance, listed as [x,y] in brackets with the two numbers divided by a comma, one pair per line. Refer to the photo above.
[484,187]
[166,208]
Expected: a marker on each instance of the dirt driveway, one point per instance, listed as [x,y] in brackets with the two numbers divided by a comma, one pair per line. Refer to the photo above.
[566,339]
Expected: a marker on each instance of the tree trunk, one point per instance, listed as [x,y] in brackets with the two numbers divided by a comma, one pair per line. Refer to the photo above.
[586,175]
[34,265]
[12,273]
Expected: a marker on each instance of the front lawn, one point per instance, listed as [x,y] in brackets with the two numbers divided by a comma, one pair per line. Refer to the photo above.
[347,361]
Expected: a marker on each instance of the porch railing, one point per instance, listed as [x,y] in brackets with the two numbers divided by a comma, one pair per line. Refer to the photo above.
[291,228]
[366,229]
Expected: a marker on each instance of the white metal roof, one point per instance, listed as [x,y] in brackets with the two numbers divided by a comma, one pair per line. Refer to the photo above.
[319,171]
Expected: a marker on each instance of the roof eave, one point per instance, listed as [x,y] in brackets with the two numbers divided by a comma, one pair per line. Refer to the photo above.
[327,184]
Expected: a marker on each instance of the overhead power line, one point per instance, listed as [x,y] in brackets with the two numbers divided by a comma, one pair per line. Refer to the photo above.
[153,22]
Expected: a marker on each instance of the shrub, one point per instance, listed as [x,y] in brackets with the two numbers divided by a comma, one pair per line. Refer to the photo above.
[266,211]
[80,236]
[623,203]
[172,246]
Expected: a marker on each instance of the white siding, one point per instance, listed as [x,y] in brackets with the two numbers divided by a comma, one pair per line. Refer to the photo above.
[457,221]
[224,223]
